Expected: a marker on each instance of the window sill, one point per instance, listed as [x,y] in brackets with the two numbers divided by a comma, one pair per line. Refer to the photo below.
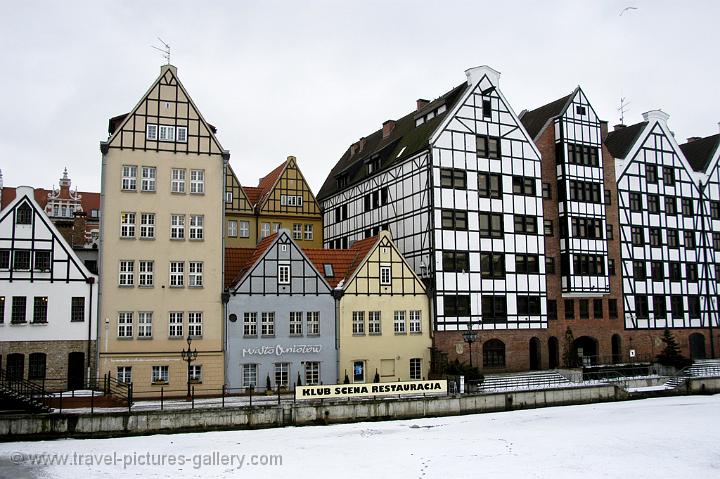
[374,334]
[178,193]
[124,338]
[416,333]
[128,191]
[39,323]
[358,334]
[196,287]
[176,287]
[267,336]
[177,239]
[18,323]
[192,336]
[146,286]
[126,285]
[144,338]
[197,240]
[296,335]
[400,334]
[314,335]
[127,237]
[175,337]
[148,191]
[159,383]
[251,336]
[149,238]
[198,194]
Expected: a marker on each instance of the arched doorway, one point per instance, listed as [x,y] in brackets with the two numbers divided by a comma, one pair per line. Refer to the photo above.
[493,354]
[697,346]
[616,343]
[553,353]
[586,350]
[76,370]
[535,363]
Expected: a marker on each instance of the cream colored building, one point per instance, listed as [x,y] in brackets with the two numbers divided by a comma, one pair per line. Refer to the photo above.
[161,250]
[384,312]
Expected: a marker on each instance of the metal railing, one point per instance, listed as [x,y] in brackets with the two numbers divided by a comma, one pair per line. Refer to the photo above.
[23,391]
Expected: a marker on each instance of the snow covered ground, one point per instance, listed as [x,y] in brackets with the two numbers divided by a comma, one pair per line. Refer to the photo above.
[651,438]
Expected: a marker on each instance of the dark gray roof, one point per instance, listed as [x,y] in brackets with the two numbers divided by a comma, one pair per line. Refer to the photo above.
[619,142]
[404,141]
[700,152]
[535,120]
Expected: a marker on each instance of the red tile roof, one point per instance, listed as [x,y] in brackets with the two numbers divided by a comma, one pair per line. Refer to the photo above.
[253,194]
[239,260]
[344,261]
[258,194]
[89,200]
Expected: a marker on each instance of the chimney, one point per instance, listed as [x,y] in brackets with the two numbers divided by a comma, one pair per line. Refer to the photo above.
[694,138]
[421,103]
[361,144]
[657,115]
[388,127]
[619,126]
[603,129]
[78,229]
[172,68]
[474,75]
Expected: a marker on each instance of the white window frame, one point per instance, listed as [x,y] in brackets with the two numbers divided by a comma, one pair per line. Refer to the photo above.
[265,230]
[151,131]
[125,324]
[177,274]
[308,232]
[166,133]
[249,375]
[374,323]
[250,324]
[358,323]
[195,373]
[282,375]
[312,373]
[146,273]
[197,182]
[177,180]
[283,274]
[149,177]
[415,322]
[181,134]
[147,225]
[195,274]
[129,178]
[296,323]
[267,324]
[145,324]
[232,228]
[399,325]
[177,227]
[124,374]
[385,275]
[127,224]
[175,324]
[160,375]
[195,324]
[313,323]
[415,369]
[297,231]
[126,275]
[244,229]
[197,223]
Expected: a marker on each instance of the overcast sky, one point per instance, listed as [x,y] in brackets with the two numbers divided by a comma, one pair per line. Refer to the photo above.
[309,78]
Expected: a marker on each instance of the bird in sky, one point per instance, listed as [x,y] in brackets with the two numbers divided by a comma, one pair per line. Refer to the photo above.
[626,9]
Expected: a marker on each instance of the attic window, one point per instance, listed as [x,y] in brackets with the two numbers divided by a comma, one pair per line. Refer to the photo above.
[373,165]
[23,216]
[152,132]
[580,110]
[486,109]
[401,152]
[228,197]
[342,181]
[328,270]
[291,200]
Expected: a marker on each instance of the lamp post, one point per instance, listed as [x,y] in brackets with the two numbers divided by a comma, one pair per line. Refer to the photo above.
[189,356]
[470,337]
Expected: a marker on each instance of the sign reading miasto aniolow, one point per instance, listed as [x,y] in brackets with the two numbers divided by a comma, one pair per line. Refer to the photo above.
[405,388]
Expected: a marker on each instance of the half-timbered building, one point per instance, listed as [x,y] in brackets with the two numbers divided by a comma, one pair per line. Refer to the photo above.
[384,325]
[661,234]
[161,249]
[457,183]
[48,299]
[282,199]
[280,322]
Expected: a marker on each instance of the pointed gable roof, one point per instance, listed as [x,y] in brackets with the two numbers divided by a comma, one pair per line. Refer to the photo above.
[344,261]
[700,153]
[620,141]
[235,261]
[168,77]
[404,141]
[535,120]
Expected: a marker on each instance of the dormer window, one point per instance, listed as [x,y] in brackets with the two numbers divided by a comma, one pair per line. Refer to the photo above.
[373,165]
[23,215]
[328,270]
[342,181]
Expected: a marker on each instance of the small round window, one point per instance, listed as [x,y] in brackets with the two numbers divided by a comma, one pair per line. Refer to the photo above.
[233,318]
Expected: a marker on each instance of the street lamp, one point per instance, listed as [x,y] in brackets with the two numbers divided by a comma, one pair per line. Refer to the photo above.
[189,356]
[470,337]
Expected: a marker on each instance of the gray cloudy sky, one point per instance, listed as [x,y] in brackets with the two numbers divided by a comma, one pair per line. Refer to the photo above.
[309,78]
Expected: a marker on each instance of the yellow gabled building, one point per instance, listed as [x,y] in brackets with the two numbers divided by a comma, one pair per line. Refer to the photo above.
[161,243]
[282,199]
[384,322]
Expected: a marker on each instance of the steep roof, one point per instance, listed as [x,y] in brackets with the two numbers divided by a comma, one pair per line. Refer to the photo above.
[534,120]
[258,194]
[700,152]
[619,142]
[235,260]
[405,140]
[253,194]
[344,261]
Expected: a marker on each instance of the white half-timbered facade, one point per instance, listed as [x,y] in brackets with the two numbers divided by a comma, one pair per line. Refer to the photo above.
[661,229]
[48,299]
[457,184]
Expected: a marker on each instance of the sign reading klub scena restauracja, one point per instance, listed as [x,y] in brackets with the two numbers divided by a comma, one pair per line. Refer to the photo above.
[404,388]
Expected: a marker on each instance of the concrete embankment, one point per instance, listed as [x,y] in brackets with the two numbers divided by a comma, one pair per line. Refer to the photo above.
[48,426]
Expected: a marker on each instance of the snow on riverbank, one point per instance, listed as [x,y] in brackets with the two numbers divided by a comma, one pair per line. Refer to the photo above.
[651,438]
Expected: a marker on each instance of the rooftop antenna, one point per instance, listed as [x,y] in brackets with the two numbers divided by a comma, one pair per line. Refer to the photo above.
[623,108]
[165,50]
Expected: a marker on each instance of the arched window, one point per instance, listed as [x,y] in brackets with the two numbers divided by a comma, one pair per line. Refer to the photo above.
[23,215]
[697,346]
[36,369]
[494,354]
[15,366]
